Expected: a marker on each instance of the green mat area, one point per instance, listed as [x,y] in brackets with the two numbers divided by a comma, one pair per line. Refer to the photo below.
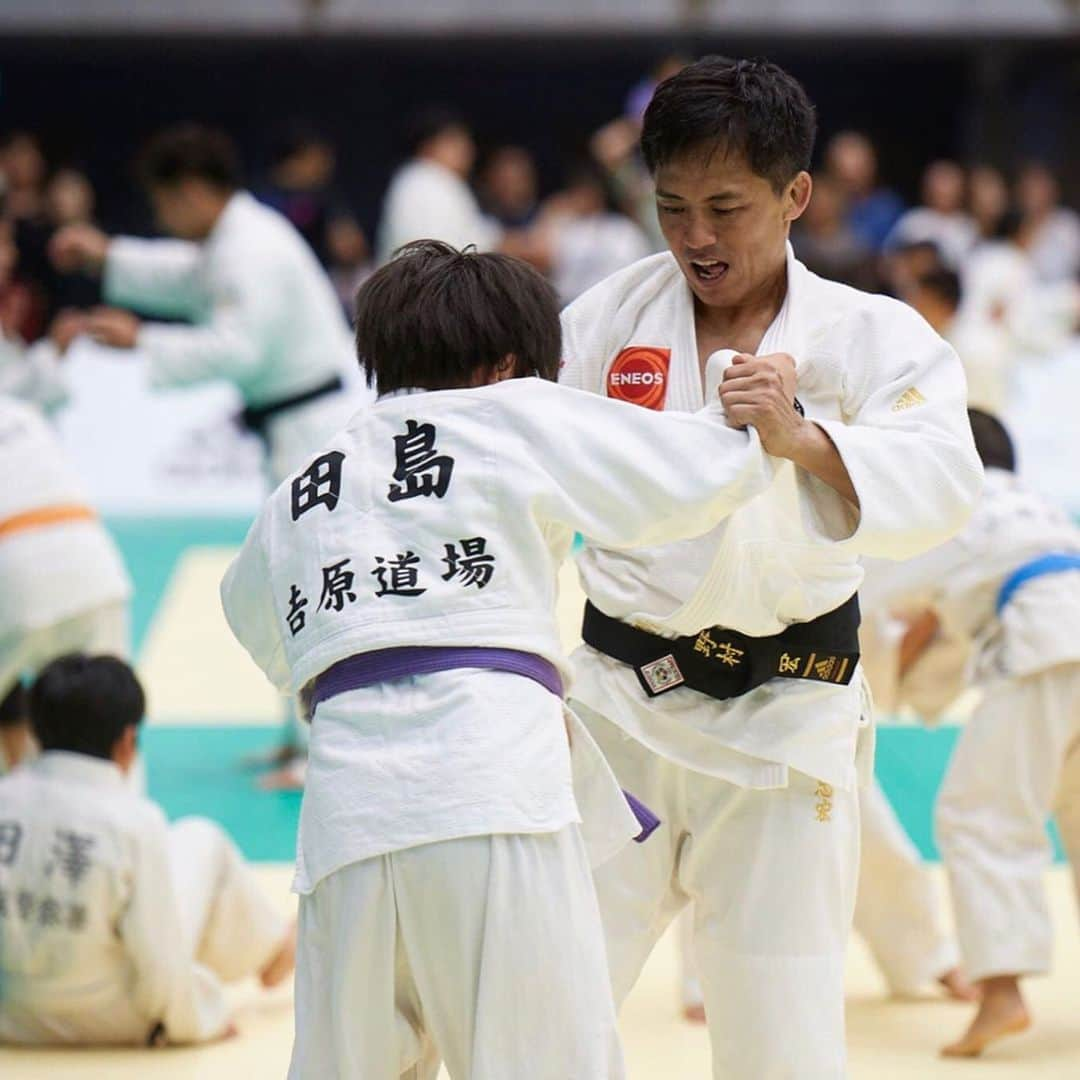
[152,547]
[201,770]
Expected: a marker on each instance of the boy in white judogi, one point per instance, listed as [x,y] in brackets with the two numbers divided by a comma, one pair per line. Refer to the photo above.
[63,586]
[116,928]
[755,752]
[404,586]
[1009,584]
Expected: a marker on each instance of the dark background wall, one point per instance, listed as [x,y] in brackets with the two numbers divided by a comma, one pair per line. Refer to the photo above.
[95,99]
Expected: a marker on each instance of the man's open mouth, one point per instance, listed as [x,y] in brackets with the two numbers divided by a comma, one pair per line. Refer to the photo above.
[708,270]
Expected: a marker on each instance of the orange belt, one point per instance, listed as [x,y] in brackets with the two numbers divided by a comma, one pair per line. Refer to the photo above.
[44,517]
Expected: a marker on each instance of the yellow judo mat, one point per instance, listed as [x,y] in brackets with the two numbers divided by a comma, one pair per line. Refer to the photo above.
[196,674]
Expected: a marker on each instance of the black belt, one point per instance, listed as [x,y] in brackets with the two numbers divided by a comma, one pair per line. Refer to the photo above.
[256,417]
[724,663]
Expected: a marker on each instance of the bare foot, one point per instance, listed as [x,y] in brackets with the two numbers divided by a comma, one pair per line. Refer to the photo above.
[957,986]
[289,778]
[283,962]
[695,1014]
[1002,1012]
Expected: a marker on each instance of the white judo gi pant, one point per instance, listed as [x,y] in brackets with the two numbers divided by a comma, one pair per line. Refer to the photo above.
[898,911]
[486,952]
[1017,761]
[773,888]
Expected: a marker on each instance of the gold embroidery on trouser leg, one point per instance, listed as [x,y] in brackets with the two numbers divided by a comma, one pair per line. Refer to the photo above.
[824,795]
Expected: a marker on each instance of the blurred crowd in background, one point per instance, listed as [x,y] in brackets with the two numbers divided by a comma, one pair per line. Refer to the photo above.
[989,255]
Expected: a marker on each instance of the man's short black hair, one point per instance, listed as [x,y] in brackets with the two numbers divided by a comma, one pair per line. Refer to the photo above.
[188,152]
[13,707]
[992,441]
[750,107]
[427,123]
[84,704]
[437,318]
[944,284]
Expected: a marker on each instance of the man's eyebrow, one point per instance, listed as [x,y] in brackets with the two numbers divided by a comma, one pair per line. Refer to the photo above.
[718,197]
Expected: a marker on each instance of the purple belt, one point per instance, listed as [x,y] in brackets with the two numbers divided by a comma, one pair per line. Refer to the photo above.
[367,669]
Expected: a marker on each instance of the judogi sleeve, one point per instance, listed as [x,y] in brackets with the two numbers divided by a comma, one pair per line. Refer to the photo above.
[33,374]
[159,277]
[169,987]
[907,443]
[625,476]
[250,610]
[244,311]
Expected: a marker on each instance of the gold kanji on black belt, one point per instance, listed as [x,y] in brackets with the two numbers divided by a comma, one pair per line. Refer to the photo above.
[723,663]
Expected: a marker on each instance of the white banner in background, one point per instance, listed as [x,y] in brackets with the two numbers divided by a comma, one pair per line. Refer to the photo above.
[144,451]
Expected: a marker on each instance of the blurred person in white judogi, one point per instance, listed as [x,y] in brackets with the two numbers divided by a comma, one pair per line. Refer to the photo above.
[720,675]
[429,196]
[588,238]
[116,928]
[937,295]
[264,315]
[942,219]
[1009,585]
[63,585]
[1005,299]
[31,372]
[404,586]
[1050,231]
[262,312]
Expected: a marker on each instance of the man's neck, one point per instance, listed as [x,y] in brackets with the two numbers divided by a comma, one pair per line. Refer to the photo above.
[741,326]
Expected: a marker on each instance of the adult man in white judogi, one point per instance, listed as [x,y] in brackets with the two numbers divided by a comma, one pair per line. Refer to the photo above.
[115,927]
[1010,585]
[756,772]
[263,314]
[404,586]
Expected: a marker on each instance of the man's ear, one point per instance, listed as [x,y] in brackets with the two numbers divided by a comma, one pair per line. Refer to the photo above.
[797,196]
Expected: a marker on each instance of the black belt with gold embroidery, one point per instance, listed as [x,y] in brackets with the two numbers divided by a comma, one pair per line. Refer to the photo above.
[724,663]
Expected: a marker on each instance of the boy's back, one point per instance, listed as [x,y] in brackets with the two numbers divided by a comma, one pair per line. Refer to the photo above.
[81,859]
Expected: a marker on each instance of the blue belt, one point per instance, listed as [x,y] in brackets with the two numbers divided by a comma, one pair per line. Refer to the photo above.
[1056,563]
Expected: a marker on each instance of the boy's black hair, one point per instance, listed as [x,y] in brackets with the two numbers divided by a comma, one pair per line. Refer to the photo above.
[944,284]
[992,441]
[187,152]
[84,704]
[437,318]
[13,708]
[750,107]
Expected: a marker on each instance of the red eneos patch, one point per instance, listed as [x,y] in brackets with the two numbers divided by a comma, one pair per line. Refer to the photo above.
[640,376]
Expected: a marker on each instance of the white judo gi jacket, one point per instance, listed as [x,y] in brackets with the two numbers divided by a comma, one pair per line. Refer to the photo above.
[91,948]
[1039,628]
[889,393]
[57,560]
[440,519]
[427,201]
